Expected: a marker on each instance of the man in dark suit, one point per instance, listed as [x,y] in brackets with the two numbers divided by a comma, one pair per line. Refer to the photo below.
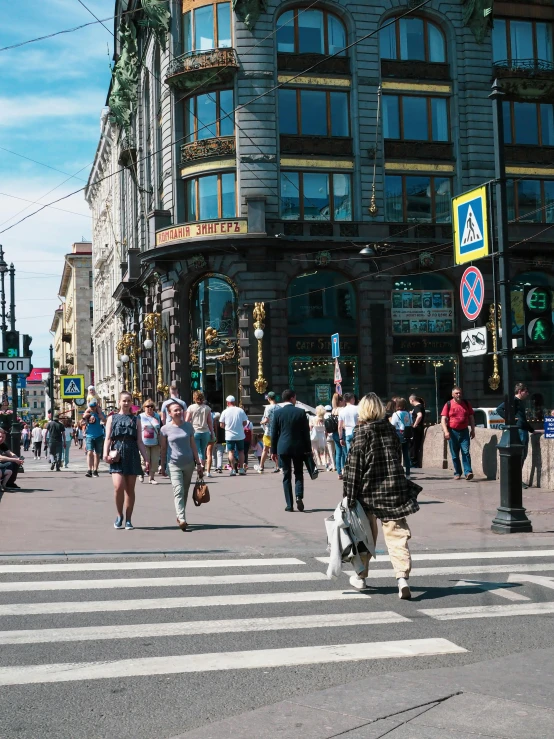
[290,441]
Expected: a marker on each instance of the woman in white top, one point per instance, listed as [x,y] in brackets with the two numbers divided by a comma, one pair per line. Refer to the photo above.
[68,436]
[150,425]
[317,436]
[200,415]
[401,419]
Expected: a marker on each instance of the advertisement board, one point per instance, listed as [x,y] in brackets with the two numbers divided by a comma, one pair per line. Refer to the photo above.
[422,312]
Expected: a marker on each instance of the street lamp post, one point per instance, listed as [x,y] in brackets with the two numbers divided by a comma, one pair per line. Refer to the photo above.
[3,325]
[510,516]
[16,426]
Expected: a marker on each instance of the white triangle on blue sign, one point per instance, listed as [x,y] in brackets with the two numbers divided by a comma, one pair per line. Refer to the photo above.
[472,233]
[72,388]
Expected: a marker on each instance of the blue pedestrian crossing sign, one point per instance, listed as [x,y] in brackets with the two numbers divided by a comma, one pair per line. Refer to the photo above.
[72,386]
[471,225]
[335,346]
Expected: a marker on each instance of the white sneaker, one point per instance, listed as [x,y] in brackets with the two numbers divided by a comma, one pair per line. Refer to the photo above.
[404,592]
[153,482]
[233,473]
[209,474]
[358,582]
[260,470]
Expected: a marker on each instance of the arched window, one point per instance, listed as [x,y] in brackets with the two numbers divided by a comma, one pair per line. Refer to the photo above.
[303,31]
[207,27]
[214,365]
[415,39]
[320,300]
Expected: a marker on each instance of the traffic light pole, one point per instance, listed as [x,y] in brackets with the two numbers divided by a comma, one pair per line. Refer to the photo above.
[51,382]
[16,426]
[510,516]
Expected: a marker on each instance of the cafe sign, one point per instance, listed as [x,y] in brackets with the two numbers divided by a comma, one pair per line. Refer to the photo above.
[202,229]
[321,345]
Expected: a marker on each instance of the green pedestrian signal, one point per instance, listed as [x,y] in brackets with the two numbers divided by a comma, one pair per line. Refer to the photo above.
[11,343]
[539,327]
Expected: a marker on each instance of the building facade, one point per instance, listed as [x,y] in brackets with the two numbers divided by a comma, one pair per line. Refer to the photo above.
[72,321]
[35,393]
[103,195]
[262,145]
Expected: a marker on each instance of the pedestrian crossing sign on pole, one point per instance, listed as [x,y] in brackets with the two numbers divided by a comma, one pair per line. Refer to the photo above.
[72,386]
[471,225]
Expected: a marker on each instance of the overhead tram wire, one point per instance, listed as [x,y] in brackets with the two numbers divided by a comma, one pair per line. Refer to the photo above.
[237,108]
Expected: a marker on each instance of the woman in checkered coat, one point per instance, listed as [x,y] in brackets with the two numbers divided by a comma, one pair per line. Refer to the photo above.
[374,476]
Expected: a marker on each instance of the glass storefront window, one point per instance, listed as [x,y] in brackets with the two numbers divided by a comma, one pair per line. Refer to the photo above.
[214,305]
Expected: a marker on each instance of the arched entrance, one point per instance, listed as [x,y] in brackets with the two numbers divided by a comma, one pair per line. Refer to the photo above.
[321,303]
[214,339]
[424,339]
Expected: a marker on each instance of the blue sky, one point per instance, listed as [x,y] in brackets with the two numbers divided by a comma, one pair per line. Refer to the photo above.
[51,96]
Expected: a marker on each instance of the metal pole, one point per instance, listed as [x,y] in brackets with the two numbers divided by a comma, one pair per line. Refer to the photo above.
[3,327]
[51,381]
[203,306]
[16,426]
[510,516]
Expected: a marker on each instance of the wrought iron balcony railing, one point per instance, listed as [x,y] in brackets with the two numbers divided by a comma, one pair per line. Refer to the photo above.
[213,65]
[529,65]
[207,148]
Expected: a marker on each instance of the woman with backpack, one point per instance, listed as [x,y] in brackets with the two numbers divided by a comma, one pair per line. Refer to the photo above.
[401,419]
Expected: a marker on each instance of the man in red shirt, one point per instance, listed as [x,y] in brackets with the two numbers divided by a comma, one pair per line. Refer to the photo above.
[457,419]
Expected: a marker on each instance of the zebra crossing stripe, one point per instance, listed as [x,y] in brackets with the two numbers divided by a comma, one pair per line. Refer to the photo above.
[190,628]
[158,582]
[519,609]
[162,565]
[465,556]
[261,658]
[153,604]
[469,570]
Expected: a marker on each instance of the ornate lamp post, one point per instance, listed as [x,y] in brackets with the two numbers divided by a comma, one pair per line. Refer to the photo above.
[259,317]
[128,350]
[153,324]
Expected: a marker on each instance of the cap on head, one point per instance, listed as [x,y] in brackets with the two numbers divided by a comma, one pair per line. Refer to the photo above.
[230,399]
[271,395]
[92,402]
[328,408]
[90,387]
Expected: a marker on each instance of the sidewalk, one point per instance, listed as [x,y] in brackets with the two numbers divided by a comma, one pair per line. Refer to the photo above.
[506,698]
[64,512]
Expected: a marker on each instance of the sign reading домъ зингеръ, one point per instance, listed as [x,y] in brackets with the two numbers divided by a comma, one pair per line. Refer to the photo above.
[232,227]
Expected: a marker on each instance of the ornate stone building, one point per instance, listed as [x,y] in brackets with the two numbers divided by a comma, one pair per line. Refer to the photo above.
[262,145]
[72,320]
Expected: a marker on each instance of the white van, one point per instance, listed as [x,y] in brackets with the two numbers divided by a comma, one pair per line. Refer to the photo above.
[488,418]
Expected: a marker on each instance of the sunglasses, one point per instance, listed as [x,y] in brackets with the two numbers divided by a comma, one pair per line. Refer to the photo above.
[148,406]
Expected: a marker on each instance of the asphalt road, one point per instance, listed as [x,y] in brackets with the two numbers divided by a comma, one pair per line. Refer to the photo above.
[168,666]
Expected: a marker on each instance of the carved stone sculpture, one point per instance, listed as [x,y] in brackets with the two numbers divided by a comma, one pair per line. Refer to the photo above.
[248,11]
[477,14]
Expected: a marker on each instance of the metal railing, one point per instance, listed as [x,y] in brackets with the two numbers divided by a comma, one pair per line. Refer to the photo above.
[205,59]
[529,65]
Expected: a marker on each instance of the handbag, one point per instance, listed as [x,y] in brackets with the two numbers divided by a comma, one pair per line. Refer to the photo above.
[114,455]
[201,493]
[311,466]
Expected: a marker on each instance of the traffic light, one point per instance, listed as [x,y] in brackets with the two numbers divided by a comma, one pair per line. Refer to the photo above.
[27,351]
[537,304]
[11,343]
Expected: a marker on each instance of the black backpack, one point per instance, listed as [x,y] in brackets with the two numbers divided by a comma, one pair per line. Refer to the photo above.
[331,424]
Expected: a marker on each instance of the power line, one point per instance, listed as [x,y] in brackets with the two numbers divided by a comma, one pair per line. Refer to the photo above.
[34,202]
[66,30]
[267,92]
[42,164]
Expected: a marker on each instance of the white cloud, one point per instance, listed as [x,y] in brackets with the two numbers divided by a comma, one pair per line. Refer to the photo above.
[21,111]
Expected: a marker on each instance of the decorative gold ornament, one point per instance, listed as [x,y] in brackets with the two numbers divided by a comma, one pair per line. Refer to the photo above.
[373,209]
[494,318]
[259,317]
[153,322]
[128,345]
[211,335]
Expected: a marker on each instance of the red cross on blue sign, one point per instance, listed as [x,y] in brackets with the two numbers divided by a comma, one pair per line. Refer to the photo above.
[472,293]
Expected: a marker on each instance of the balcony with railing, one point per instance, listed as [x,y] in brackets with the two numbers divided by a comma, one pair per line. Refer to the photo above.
[127,151]
[531,79]
[222,146]
[213,67]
